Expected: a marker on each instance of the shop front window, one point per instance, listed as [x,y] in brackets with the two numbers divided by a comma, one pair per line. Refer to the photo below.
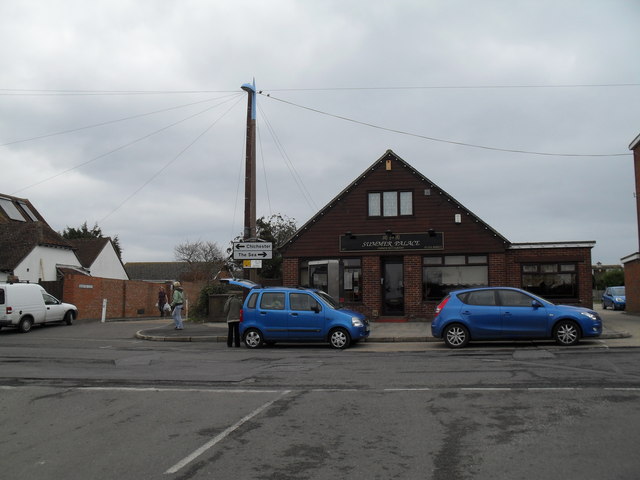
[551,280]
[446,273]
[345,284]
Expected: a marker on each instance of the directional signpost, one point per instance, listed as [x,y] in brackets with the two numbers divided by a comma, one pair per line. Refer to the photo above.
[252,250]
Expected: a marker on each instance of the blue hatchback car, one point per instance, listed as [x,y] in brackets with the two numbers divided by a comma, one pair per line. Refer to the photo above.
[502,313]
[284,314]
[615,298]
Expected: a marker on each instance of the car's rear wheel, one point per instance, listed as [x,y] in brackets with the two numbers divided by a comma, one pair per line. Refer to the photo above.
[68,318]
[253,338]
[339,338]
[566,333]
[25,324]
[456,336]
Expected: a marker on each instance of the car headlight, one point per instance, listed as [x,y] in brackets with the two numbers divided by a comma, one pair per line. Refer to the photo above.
[590,315]
[356,322]
[618,299]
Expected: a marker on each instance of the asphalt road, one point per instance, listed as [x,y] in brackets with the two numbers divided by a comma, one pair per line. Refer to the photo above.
[90,401]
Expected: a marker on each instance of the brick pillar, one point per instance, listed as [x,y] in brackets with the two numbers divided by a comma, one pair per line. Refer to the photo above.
[290,272]
[413,286]
[371,275]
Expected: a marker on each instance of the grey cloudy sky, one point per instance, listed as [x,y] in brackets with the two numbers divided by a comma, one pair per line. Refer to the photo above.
[158,83]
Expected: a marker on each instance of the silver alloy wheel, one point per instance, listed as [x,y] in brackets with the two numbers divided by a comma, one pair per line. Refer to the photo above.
[456,336]
[339,338]
[253,339]
[567,333]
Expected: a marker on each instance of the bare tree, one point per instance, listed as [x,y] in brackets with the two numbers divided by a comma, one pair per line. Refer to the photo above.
[204,258]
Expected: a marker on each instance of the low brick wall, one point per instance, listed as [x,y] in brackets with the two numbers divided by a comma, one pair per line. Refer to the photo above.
[125,298]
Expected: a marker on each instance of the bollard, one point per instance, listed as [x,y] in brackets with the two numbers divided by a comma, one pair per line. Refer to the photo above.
[104,310]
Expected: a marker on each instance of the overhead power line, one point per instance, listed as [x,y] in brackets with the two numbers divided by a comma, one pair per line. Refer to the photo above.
[126,145]
[456,87]
[26,92]
[163,168]
[109,122]
[63,92]
[441,140]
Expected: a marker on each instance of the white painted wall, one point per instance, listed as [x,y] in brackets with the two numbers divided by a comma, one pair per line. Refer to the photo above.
[41,263]
[107,264]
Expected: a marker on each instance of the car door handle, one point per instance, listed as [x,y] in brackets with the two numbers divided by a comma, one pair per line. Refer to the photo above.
[294,314]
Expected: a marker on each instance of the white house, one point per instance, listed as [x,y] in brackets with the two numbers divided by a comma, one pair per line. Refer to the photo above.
[32,251]
[99,257]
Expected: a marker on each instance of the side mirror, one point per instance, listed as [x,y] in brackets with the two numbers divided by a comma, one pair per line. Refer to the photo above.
[535,304]
[316,308]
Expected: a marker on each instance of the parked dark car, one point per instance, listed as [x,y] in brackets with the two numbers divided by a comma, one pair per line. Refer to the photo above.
[615,298]
[284,314]
[503,313]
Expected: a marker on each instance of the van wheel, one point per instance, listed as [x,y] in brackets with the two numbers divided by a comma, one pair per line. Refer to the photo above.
[339,338]
[68,318]
[25,324]
[253,338]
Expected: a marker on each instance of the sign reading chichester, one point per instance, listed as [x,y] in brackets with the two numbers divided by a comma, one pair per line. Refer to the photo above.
[252,250]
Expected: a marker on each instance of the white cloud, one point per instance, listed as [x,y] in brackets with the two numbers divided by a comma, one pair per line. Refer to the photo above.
[194,179]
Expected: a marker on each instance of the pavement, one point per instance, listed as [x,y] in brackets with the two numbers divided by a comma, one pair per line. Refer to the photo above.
[616,326]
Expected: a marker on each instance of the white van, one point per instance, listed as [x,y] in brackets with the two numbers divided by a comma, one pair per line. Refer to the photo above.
[23,305]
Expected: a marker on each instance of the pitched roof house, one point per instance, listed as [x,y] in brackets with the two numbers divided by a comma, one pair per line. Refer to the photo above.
[393,244]
[32,251]
[29,248]
[99,257]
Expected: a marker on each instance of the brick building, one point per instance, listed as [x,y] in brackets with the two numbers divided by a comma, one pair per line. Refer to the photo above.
[632,262]
[393,243]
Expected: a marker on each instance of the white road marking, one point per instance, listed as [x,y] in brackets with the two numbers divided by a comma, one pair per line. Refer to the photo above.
[188,459]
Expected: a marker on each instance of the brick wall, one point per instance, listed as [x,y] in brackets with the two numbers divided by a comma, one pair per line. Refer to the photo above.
[632,285]
[413,305]
[290,272]
[125,298]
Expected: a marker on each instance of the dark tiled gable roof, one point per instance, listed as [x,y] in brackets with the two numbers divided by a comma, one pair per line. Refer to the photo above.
[17,239]
[389,154]
[156,271]
[88,249]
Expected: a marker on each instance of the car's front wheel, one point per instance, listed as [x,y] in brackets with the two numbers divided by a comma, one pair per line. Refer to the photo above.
[253,338]
[566,333]
[456,336]
[339,338]
[604,305]
[68,318]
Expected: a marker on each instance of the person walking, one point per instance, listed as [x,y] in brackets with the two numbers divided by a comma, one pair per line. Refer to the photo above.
[162,300]
[232,308]
[176,304]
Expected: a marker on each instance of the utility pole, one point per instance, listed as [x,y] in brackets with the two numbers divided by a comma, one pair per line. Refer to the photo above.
[249,233]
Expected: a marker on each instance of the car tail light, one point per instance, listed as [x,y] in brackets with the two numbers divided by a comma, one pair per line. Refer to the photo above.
[9,310]
[241,314]
[442,304]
